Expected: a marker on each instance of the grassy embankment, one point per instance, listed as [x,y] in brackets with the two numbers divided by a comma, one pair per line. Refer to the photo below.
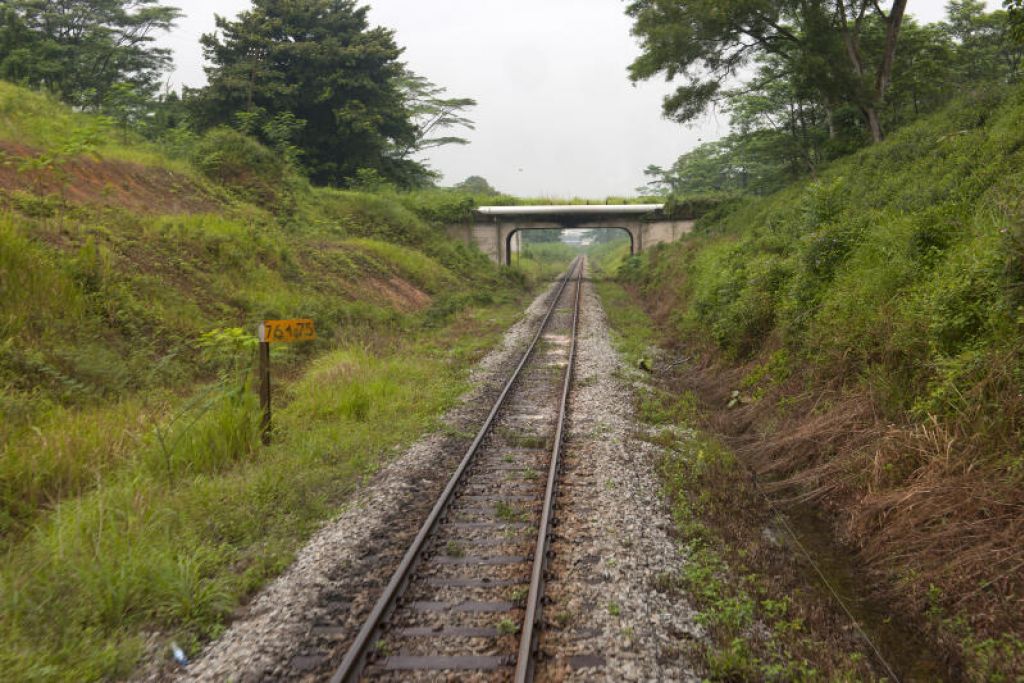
[859,340]
[766,615]
[134,495]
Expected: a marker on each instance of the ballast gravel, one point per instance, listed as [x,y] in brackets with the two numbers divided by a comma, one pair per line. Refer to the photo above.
[610,617]
[260,645]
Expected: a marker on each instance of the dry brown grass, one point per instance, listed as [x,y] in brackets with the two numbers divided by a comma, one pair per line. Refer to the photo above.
[928,508]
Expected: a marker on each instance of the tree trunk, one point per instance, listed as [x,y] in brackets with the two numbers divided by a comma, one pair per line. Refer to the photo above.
[883,76]
[874,123]
[892,32]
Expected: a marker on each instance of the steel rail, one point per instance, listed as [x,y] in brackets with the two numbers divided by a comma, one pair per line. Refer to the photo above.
[528,640]
[355,658]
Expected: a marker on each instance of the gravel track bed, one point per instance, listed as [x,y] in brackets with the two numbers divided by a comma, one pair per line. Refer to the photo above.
[338,575]
[485,538]
[607,620]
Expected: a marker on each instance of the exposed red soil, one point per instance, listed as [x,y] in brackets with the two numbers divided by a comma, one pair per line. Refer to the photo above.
[365,281]
[391,291]
[399,293]
[105,182]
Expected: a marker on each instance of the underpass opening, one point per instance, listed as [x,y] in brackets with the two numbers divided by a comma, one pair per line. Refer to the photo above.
[582,238]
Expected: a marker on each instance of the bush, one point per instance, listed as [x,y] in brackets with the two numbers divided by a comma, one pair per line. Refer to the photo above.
[885,303]
[440,207]
[904,260]
[240,162]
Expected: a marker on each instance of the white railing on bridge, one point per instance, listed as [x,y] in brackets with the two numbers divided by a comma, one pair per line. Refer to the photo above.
[576,209]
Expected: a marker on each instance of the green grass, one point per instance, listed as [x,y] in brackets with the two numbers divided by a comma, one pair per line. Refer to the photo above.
[67,450]
[892,283]
[543,261]
[412,265]
[632,331]
[631,328]
[174,549]
[40,121]
[753,634]
[135,496]
[117,308]
[904,260]
[607,257]
[508,513]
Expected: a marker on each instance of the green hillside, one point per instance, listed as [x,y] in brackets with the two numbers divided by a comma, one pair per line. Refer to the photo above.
[860,339]
[134,495]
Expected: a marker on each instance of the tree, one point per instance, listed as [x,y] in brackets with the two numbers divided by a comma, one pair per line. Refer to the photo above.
[431,113]
[475,184]
[786,121]
[708,168]
[86,51]
[819,41]
[785,124]
[926,66]
[756,162]
[541,236]
[126,105]
[321,63]
[851,22]
[985,47]
[1015,12]
[606,235]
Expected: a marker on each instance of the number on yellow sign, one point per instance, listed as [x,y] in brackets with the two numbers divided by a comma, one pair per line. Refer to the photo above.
[287,331]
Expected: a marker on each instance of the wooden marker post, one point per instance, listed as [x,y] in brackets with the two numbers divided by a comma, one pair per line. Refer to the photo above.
[276,331]
[264,389]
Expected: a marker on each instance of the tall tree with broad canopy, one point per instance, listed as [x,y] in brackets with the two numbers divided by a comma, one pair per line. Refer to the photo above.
[820,42]
[319,63]
[432,111]
[88,52]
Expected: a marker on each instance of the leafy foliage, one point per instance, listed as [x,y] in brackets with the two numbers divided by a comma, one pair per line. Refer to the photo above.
[319,63]
[888,286]
[478,185]
[135,495]
[902,261]
[240,162]
[92,53]
[309,79]
[431,113]
[786,123]
[818,45]
[1015,9]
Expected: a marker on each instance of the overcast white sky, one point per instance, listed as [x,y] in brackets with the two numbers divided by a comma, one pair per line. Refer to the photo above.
[557,115]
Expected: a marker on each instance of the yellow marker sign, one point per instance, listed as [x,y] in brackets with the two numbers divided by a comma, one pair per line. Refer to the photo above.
[287,331]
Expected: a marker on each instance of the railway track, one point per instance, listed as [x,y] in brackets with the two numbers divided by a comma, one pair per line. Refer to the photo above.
[466,598]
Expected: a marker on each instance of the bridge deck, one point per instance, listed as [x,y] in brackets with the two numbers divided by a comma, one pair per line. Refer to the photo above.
[589,211]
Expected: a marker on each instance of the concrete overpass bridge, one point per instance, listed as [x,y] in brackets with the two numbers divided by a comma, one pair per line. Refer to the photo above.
[493,227]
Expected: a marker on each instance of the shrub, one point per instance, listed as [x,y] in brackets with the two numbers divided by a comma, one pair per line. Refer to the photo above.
[440,207]
[240,162]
